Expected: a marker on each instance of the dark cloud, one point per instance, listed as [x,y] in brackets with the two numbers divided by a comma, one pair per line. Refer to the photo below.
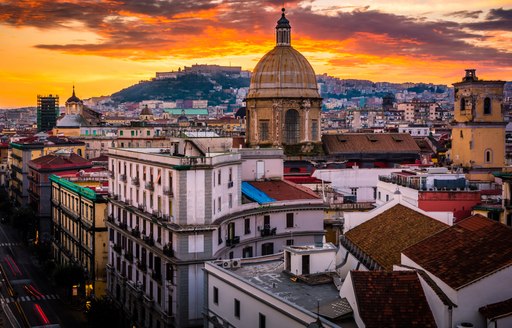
[465,14]
[497,19]
[161,25]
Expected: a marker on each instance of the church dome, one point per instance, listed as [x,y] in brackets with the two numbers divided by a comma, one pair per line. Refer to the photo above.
[283,71]
[73,97]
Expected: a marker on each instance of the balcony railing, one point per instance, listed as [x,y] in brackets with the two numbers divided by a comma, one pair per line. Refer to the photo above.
[168,251]
[267,231]
[117,248]
[233,241]
[230,184]
[149,241]
[135,233]
[157,276]
[141,266]
[123,225]
[168,191]
[122,177]
[135,181]
[128,257]
[150,185]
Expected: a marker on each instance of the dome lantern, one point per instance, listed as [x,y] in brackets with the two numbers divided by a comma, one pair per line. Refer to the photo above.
[283,31]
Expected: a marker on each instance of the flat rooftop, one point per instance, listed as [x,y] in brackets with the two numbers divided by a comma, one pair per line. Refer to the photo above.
[270,276]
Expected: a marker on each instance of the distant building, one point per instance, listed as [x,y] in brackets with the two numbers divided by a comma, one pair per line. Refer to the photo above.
[28,149]
[47,112]
[39,189]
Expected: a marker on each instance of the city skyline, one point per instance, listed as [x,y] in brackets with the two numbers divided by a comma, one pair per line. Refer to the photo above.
[105,46]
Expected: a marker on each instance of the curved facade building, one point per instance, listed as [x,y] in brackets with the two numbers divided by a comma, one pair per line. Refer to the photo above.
[283,103]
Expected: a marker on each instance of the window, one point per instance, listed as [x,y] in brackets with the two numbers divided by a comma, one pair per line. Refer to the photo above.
[289,242]
[230,200]
[387,198]
[148,133]
[488,156]
[219,204]
[247,226]
[219,236]
[218,178]
[462,104]
[121,133]
[267,249]
[264,135]
[314,130]
[291,124]
[487,106]
[262,321]
[215,295]
[237,308]
[289,220]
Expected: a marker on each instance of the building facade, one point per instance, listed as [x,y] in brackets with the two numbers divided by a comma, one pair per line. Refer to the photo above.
[79,234]
[47,112]
[478,134]
[283,103]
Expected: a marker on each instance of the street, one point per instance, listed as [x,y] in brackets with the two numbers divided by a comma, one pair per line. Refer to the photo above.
[27,296]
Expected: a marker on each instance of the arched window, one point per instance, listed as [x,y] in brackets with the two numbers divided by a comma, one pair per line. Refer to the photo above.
[291,127]
[488,156]
[487,106]
[462,104]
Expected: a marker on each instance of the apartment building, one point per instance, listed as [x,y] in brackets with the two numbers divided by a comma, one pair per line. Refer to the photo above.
[79,234]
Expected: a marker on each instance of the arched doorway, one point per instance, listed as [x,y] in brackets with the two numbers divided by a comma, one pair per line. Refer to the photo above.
[291,127]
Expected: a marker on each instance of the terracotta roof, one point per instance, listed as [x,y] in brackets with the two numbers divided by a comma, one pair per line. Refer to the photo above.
[54,161]
[496,310]
[369,143]
[101,158]
[391,299]
[284,190]
[468,251]
[385,236]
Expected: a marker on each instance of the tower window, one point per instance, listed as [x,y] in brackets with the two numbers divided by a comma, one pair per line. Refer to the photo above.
[487,106]
[292,131]
[264,130]
[488,156]
[462,104]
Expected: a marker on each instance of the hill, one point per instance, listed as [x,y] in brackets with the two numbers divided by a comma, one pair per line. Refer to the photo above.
[186,87]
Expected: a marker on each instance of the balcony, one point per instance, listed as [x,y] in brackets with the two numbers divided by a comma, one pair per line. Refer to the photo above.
[168,251]
[168,192]
[123,226]
[157,276]
[141,207]
[267,231]
[141,266]
[149,240]
[507,203]
[150,186]
[135,233]
[113,196]
[128,257]
[135,181]
[122,177]
[117,248]
[230,184]
[110,218]
[233,241]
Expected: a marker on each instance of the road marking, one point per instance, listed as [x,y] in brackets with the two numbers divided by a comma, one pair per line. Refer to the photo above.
[47,297]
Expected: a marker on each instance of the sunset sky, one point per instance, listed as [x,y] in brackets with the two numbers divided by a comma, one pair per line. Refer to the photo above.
[104,46]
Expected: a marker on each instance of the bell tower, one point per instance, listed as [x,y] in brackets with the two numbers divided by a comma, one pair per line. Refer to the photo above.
[478,133]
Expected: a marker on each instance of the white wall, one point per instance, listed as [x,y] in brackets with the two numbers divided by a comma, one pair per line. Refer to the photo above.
[347,291]
[363,179]
[351,263]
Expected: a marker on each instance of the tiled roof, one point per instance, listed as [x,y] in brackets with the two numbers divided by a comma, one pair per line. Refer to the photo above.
[497,310]
[391,299]
[385,236]
[370,143]
[53,161]
[468,251]
[284,190]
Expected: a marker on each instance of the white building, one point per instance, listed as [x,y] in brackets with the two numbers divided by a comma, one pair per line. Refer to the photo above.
[172,209]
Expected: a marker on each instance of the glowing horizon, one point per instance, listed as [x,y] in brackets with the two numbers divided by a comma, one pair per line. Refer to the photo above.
[105,46]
